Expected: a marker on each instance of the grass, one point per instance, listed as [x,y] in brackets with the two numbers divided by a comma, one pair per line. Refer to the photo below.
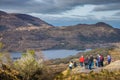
[30,68]
[27,68]
[102,75]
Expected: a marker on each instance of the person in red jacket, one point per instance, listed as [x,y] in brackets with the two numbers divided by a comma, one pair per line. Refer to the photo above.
[81,59]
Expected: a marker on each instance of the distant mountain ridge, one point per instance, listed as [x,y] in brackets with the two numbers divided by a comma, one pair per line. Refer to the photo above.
[15,20]
[20,32]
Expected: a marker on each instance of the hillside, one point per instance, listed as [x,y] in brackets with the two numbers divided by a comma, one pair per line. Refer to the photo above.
[14,21]
[19,32]
[107,72]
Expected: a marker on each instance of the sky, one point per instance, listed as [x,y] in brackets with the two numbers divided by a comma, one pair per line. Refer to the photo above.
[67,12]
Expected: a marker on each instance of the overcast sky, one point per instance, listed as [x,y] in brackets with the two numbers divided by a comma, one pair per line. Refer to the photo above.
[67,12]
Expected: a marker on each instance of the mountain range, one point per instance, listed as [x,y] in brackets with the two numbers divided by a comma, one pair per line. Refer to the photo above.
[20,32]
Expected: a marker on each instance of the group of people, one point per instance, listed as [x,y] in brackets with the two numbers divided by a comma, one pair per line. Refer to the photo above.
[89,62]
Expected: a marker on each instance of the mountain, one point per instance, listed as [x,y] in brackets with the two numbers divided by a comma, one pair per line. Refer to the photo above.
[19,32]
[17,21]
[86,36]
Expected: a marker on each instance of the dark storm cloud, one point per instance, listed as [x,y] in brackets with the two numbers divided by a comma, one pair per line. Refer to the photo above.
[6,3]
[49,6]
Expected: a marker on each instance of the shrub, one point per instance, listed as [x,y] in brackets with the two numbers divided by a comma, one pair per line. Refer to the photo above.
[6,73]
[28,66]
[31,67]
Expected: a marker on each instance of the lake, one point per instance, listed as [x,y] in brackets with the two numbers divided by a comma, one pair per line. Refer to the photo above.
[52,54]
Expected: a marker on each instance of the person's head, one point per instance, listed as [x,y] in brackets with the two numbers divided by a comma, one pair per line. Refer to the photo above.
[71,61]
[81,55]
[91,55]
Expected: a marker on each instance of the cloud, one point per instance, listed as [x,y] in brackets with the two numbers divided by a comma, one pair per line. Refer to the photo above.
[48,6]
[58,20]
[117,14]
[107,7]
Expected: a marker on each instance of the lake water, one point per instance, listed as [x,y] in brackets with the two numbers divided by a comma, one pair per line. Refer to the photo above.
[52,54]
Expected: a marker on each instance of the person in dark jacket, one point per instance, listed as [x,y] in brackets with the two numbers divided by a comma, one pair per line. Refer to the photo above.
[102,60]
[86,62]
[74,64]
[90,62]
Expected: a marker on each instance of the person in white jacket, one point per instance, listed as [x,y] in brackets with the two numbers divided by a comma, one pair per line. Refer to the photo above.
[71,65]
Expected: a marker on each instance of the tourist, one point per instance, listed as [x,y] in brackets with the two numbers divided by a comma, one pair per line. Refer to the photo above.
[90,62]
[101,60]
[70,65]
[98,59]
[108,59]
[86,62]
[96,62]
[81,59]
[75,64]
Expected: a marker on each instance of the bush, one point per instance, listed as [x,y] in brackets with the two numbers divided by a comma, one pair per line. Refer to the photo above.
[31,67]
[28,66]
[6,73]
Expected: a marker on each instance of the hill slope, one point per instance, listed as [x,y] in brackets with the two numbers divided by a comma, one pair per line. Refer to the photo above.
[14,20]
[20,32]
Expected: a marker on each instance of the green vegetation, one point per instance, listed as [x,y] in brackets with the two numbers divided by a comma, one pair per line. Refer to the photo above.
[109,72]
[33,67]
[102,75]
[27,68]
